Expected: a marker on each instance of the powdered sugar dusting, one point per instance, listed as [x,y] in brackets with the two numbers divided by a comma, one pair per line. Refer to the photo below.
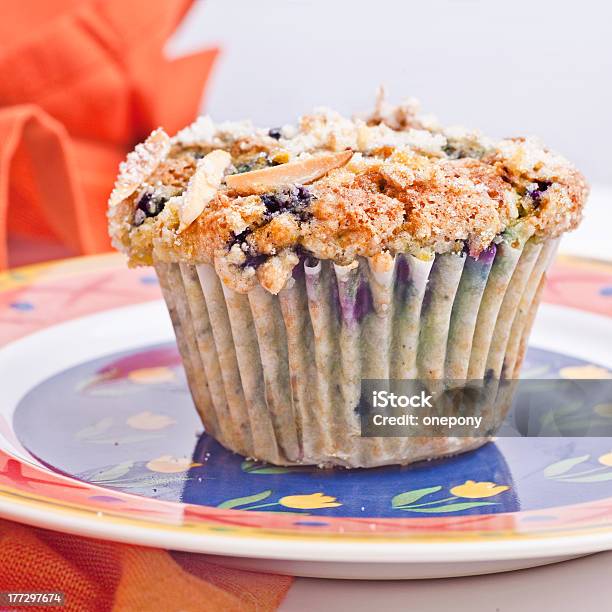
[139,165]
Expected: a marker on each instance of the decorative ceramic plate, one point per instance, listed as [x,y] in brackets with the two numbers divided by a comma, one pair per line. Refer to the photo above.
[98,437]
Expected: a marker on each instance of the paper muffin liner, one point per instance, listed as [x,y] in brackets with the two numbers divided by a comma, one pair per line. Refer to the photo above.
[279,378]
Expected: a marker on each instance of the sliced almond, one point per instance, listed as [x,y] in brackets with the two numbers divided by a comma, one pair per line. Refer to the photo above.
[203,186]
[302,172]
[139,165]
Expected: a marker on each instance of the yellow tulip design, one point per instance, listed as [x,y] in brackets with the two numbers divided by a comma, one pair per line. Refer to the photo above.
[309,502]
[151,376]
[606,459]
[148,420]
[604,410]
[477,490]
[167,464]
[585,372]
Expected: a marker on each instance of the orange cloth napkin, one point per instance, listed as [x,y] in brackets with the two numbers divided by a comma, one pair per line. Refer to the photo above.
[97,576]
[82,81]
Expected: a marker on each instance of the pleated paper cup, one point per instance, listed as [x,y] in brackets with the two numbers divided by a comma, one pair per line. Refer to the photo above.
[279,378]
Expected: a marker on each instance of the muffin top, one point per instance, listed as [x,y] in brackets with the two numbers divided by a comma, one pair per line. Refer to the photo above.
[254,201]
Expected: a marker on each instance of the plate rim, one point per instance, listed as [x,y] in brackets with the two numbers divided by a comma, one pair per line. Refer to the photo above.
[316,549]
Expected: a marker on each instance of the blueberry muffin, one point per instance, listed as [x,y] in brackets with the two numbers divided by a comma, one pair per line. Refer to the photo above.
[298,261]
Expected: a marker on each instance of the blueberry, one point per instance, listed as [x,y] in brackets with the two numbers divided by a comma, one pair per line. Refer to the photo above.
[273,203]
[150,206]
[241,237]
[303,194]
[275,133]
[139,217]
[144,202]
[536,194]
[251,260]
[294,200]
[254,261]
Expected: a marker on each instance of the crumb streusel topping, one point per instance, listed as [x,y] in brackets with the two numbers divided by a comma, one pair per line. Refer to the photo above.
[253,201]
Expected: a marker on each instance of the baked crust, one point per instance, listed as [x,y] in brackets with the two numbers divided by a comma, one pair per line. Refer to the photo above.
[409,186]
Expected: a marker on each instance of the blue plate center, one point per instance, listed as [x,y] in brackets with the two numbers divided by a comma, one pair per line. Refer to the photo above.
[126,422]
